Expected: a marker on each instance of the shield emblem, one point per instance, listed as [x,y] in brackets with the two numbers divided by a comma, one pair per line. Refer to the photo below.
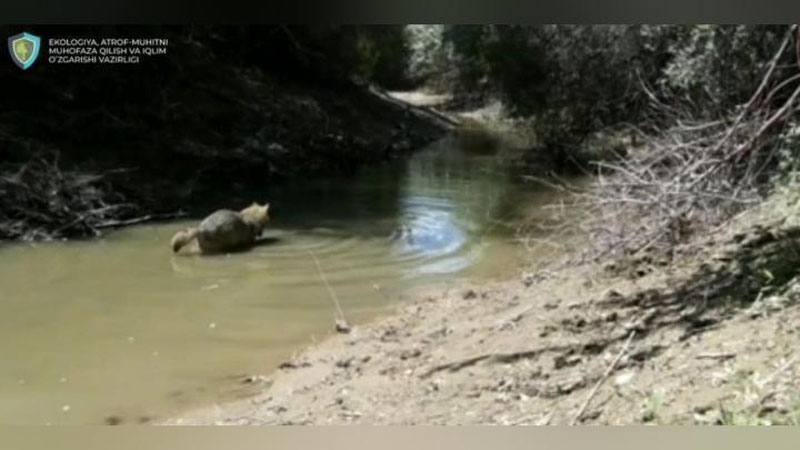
[24,49]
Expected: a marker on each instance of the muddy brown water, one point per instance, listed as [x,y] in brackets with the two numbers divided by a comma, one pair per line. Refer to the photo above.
[120,330]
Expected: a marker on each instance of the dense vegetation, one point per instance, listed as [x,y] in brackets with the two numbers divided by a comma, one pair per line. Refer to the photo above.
[576,80]
[715,107]
[272,102]
[85,147]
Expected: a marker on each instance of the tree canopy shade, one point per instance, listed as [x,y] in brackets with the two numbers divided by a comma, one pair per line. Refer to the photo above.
[575,80]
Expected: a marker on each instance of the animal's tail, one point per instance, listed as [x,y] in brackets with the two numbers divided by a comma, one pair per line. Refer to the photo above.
[182,238]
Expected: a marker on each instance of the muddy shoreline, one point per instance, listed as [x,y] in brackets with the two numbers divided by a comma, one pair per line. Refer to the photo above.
[643,342]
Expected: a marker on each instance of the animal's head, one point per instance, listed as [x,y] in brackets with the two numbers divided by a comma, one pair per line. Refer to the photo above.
[180,239]
[258,214]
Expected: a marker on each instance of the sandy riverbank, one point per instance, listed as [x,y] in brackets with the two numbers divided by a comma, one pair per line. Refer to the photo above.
[708,337]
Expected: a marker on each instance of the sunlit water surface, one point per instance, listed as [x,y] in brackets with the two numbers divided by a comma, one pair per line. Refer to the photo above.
[121,330]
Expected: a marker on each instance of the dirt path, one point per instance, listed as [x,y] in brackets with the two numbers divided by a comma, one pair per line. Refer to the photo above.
[644,341]
[420,104]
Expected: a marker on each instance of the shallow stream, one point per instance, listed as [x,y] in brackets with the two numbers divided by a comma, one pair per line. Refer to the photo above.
[119,329]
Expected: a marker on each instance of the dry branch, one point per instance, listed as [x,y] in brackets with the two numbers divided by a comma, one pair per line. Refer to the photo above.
[41,200]
[340,319]
[602,379]
[692,174]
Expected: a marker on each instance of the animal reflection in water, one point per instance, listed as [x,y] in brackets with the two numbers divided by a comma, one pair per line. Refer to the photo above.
[225,230]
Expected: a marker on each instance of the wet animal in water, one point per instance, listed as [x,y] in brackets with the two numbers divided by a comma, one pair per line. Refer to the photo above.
[225,230]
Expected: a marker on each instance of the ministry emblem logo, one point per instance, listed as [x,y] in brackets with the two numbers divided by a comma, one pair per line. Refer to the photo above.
[24,49]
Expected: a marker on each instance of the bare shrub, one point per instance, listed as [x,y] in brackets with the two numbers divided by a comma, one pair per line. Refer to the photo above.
[690,175]
[40,200]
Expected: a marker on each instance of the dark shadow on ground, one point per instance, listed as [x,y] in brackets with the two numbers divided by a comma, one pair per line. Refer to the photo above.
[755,264]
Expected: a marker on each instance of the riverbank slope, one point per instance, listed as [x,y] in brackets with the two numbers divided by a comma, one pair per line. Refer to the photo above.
[707,338]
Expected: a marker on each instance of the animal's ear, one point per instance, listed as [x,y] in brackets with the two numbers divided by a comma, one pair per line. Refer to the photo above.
[266,207]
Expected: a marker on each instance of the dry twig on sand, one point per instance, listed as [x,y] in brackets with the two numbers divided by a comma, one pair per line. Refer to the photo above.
[602,379]
[341,322]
